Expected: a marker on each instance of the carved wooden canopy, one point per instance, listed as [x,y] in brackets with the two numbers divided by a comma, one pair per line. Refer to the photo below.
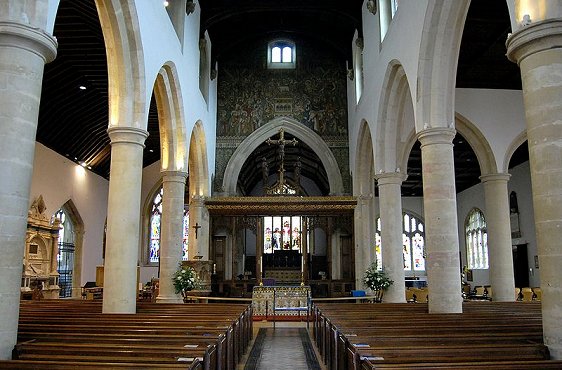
[281,205]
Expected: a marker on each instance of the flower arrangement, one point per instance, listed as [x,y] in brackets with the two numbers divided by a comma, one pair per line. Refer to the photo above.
[376,279]
[185,279]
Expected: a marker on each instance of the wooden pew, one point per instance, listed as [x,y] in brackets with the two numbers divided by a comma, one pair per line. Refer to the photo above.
[199,336]
[367,336]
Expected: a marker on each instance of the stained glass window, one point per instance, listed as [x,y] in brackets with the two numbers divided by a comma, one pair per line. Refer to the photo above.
[413,243]
[282,233]
[476,240]
[378,250]
[185,255]
[154,223]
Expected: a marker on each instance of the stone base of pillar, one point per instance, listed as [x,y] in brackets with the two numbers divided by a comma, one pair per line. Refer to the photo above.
[174,299]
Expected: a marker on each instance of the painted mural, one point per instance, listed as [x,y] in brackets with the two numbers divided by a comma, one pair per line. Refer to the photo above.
[250,95]
[248,99]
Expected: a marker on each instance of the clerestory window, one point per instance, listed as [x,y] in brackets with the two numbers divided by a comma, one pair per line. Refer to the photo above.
[281,54]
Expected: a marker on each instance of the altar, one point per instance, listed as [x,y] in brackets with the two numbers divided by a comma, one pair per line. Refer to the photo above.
[280,300]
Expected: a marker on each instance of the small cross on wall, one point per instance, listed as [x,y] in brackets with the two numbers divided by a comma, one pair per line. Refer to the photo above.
[196,227]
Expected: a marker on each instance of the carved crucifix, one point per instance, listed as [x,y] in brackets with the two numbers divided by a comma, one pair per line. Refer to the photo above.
[281,142]
[196,227]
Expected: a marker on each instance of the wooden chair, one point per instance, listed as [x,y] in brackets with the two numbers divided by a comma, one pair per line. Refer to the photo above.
[527,294]
[479,291]
[538,293]
[517,294]
[409,295]
[421,295]
[488,291]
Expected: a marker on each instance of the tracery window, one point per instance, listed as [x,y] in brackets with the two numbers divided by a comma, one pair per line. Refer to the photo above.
[155,227]
[413,243]
[282,233]
[476,240]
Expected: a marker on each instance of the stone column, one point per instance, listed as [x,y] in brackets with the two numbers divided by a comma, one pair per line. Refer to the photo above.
[198,229]
[171,234]
[364,226]
[77,272]
[499,236]
[537,48]
[390,204]
[440,211]
[123,220]
[24,50]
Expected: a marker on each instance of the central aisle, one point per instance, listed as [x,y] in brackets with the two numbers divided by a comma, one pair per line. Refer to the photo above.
[282,348]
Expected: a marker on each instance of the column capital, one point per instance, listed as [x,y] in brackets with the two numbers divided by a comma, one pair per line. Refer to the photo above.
[437,135]
[495,177]
[174,176]
[34,40]
[534,38]
[197,200]
[364,197]
[127,135]
[386,178]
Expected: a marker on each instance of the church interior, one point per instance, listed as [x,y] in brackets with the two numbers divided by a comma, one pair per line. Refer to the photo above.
[281,151]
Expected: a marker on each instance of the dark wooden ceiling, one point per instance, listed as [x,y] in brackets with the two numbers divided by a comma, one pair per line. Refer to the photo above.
[73,122]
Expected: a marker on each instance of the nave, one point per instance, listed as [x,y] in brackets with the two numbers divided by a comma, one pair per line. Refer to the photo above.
[73,334]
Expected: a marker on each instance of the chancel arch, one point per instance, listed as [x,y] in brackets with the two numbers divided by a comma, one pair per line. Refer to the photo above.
[298,130]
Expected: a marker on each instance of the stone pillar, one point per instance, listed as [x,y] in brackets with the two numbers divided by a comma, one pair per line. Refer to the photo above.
[499,236]
[364,226]
[390,204]
[440,211]
[171,234]
[123,220]
[199,229]
[537,48]
[77,272]
[24,50]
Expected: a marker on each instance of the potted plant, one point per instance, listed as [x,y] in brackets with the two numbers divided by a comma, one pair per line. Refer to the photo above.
[185,279]
[376,280]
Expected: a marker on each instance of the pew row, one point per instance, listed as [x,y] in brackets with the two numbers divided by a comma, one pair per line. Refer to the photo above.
[490,335]
[179,336]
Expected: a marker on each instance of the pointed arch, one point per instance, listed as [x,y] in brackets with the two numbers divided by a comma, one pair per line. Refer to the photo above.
[478,143]
[364,162]
[198,162]
[70,209]
[516,143]
[396,90]
[125,63]
[437,68]
[295,128]
[173,145]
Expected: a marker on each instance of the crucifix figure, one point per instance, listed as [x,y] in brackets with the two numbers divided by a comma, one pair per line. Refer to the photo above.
[196,227]
[281,142]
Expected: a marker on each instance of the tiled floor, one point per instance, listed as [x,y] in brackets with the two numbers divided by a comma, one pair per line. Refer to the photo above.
[285,347]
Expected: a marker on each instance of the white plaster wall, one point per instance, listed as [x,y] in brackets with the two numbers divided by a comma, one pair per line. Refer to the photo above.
[498,114]
[164,46]
[59,179]
[401,43]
